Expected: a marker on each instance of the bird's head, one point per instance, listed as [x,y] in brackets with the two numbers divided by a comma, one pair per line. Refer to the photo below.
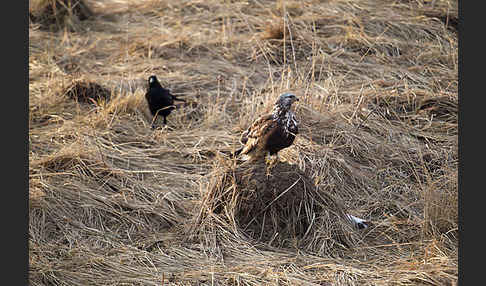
[285,100]
[153,81]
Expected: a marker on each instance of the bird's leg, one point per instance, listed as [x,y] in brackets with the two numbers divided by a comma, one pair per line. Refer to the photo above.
[166,127]
[153,121]
[268,165]
[271,161]
[268,159]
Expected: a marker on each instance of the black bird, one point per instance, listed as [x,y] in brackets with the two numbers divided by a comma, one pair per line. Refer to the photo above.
[159,99]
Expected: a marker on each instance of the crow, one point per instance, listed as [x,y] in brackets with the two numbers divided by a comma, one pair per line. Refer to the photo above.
[159,99]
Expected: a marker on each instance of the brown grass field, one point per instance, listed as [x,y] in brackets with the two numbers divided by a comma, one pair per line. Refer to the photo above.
[114,202]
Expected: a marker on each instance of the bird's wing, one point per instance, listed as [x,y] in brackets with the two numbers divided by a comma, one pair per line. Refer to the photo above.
[256,132]
[253,128]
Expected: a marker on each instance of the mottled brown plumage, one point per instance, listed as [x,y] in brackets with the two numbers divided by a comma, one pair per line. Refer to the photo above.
[272,132]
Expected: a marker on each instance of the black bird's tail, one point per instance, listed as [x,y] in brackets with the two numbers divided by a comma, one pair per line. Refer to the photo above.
[236,153]
[178,99]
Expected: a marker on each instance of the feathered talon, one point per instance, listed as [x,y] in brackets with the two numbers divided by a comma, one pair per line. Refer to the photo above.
[271,161]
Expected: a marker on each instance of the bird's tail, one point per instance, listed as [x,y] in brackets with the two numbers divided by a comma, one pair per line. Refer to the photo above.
[178,99]
[236,153]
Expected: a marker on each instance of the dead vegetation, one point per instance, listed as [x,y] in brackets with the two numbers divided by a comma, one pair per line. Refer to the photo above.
[281,207]
[57,14]
[113,202]
[87,92]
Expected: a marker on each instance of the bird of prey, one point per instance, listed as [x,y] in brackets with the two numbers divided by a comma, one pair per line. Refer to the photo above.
[159,99]
[271,132]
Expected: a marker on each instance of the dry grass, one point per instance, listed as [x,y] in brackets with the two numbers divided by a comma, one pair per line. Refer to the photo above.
[113,202]
[280,207]
[56,14]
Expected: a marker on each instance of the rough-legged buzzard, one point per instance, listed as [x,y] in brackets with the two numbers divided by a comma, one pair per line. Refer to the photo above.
[271,132]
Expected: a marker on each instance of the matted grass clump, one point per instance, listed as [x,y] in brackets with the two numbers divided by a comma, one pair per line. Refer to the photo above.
[55,14]
[86,91]
[280,206]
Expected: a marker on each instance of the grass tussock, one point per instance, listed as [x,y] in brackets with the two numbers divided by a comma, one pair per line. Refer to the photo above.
[57,14]
[114,202]
[280,207]
[86,91]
